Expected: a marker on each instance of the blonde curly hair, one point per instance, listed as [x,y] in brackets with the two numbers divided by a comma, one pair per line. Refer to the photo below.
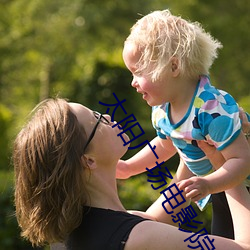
[49,181]
[160,36]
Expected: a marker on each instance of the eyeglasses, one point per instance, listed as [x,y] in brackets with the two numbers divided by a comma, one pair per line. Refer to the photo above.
[100,118]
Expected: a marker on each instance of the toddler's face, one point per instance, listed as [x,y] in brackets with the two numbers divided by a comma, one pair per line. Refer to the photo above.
[152,92]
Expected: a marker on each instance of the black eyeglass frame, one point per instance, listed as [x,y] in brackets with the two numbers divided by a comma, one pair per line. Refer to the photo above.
[100,118]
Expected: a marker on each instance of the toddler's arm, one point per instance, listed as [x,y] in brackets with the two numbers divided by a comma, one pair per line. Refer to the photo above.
[145,158]
[234,171]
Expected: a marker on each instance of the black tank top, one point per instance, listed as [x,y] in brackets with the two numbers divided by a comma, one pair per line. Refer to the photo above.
[102,229]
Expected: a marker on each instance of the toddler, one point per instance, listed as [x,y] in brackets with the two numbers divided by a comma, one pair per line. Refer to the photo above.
[170,59]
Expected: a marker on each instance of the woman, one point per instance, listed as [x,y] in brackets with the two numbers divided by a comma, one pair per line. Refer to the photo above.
[65,187]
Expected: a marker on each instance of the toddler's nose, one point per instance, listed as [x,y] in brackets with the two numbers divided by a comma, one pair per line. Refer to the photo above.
[134,83]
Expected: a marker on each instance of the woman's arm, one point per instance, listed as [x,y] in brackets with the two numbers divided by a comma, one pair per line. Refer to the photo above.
[239,203]
[160,236]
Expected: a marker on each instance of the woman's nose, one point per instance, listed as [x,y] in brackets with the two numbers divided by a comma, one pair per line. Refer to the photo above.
[108,117]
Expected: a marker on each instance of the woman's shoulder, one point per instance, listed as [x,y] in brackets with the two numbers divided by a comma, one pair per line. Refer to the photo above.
[110,227]
[155,235]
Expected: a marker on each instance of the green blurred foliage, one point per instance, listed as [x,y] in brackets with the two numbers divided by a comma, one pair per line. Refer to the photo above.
[9,231]
[72,48]
[5,124]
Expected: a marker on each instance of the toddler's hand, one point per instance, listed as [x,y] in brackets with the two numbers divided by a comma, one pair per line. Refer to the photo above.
[122,170]
[194,187]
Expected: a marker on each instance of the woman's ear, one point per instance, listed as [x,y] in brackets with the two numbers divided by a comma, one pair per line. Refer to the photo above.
[90,161]
[175,66]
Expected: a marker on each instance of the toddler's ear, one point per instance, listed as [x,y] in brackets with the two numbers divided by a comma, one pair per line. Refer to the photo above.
[175,66]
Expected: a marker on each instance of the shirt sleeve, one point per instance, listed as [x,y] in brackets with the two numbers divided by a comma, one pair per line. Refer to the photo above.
[159,121]
[219,120]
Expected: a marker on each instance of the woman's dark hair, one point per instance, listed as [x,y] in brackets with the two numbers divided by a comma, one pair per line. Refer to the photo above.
[49,180]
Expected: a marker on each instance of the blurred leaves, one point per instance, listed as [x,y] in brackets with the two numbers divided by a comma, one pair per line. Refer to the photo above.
[72,48]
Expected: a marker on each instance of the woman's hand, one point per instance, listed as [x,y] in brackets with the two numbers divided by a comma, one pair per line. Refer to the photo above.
[245,124]
[214,156]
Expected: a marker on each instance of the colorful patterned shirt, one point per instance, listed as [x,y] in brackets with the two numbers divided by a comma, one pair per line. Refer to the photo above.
[213,115]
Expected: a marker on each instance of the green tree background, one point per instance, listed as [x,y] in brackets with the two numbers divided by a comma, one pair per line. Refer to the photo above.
[72,48]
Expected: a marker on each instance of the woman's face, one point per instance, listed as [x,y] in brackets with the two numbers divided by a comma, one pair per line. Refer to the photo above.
[105,142]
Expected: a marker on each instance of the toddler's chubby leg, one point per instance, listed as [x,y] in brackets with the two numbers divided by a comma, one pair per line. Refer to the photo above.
[157,211]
